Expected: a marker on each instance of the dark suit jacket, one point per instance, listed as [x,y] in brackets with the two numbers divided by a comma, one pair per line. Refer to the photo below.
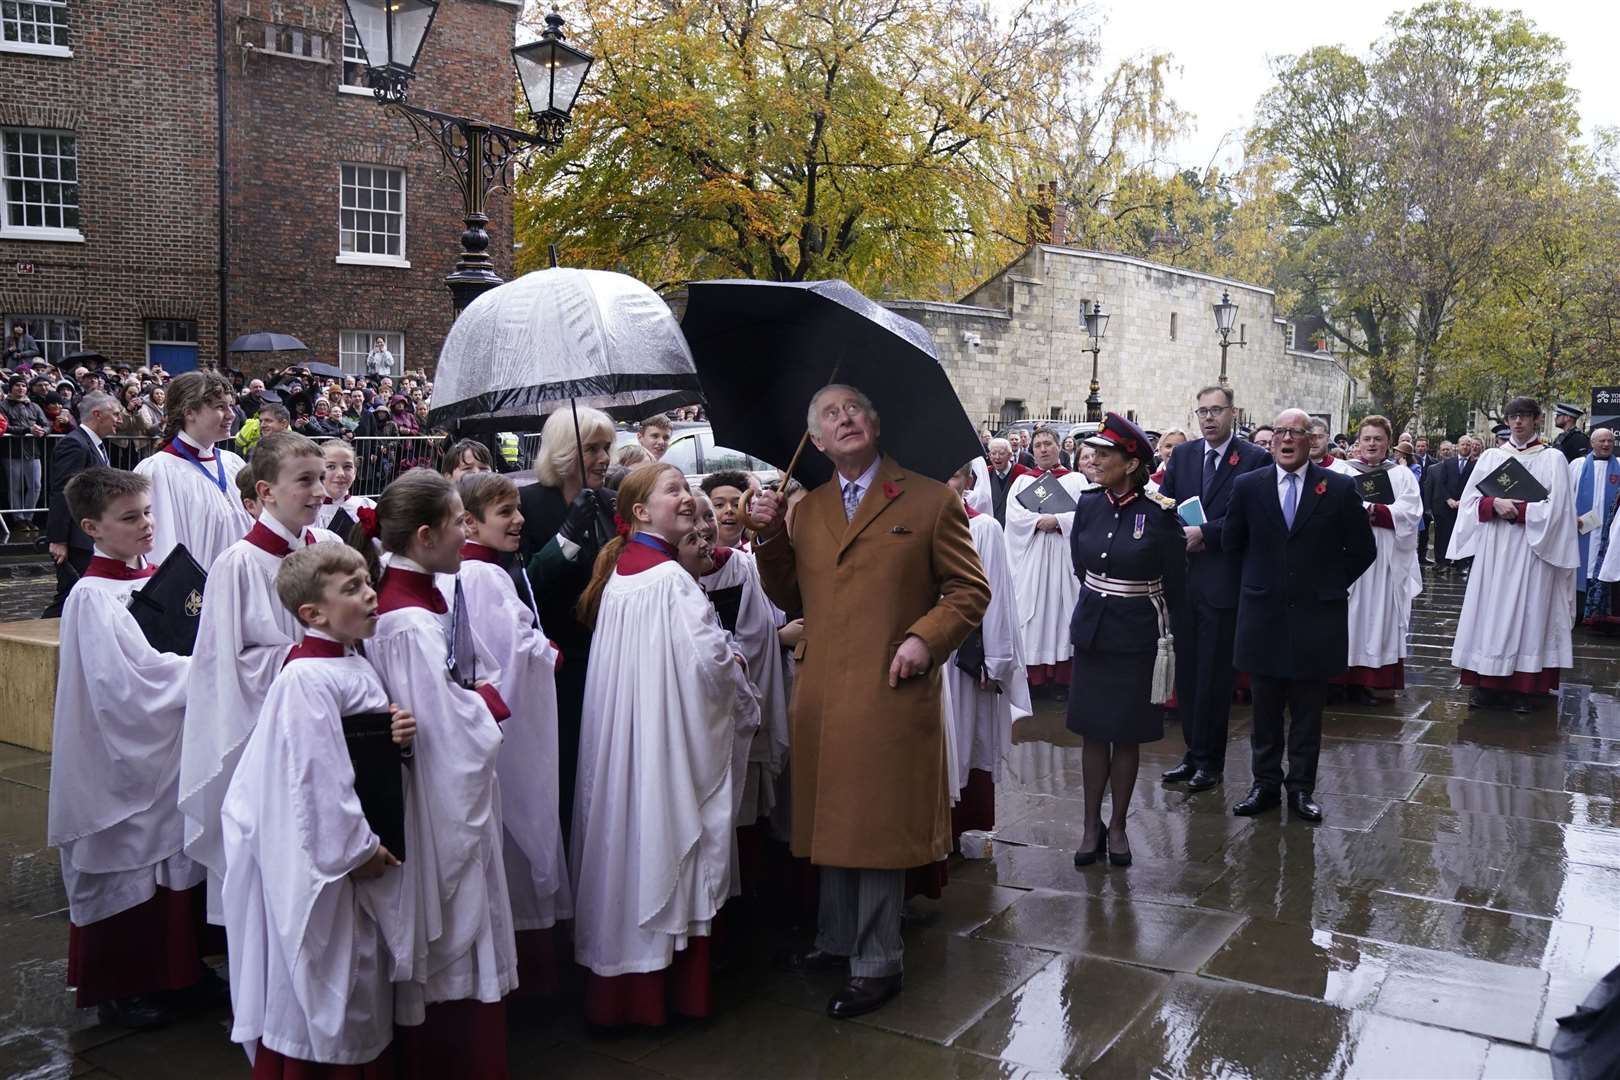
[74,453]
[1212,574]
[1293,607]
[1446,481]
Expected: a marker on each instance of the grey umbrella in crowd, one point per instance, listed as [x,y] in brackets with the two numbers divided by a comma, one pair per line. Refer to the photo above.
[267,342]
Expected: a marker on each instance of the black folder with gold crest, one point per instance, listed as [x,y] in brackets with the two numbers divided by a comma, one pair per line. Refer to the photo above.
[342,524]
[168,608]
[1511,480]
[1375,486]
[378,780]
[1047,495]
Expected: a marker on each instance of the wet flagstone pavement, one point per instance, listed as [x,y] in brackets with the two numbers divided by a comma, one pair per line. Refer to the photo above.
[1463,892]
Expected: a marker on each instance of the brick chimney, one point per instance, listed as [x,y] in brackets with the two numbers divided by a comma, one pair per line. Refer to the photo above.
[1048,222]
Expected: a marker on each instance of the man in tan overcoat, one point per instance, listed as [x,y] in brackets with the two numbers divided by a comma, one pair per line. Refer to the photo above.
[883,565]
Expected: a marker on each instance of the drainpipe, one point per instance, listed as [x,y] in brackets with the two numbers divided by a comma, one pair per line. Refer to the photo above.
[219,86]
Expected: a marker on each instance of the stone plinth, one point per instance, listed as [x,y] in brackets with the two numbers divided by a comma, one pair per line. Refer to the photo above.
[28,658]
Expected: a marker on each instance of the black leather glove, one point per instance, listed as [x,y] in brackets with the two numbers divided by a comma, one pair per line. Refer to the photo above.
[580,524]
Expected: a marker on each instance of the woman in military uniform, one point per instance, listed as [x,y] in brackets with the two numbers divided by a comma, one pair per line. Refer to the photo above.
[1130,555]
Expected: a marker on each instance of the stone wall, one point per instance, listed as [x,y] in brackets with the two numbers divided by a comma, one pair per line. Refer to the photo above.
[1016,345]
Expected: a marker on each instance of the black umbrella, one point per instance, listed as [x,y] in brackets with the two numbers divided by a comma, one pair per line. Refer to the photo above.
[86,357]
[266,342]
[763,349]
[325,371]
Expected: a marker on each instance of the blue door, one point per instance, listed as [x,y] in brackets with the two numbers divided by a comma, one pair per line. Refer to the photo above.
[174,358]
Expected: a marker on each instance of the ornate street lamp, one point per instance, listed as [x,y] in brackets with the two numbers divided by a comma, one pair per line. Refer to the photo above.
[1096,325]
[1225,316]
[481,156]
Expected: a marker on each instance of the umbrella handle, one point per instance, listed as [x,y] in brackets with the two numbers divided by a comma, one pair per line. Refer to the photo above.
[804,440]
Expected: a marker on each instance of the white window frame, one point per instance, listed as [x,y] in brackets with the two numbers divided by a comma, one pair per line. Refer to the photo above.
[351,53]
[151,341]
[363,258]
[34,48]
[366,337]
[67,344]
[11,231]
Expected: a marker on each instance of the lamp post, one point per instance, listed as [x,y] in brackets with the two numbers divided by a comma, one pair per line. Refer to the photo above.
[1225,316]
[480,155]
[1096,325]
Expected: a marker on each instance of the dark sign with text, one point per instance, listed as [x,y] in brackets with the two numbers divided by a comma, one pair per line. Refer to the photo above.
[1605,406]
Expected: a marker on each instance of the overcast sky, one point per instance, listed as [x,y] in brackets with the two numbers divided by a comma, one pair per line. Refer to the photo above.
[1222,50]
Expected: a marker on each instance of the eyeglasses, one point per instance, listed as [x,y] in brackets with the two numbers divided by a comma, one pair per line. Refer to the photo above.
[1291,433]
[1209,412]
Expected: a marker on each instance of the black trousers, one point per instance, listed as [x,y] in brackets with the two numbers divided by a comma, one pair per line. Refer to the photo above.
[1443,525]
[68,571]
[1303,698]
[1204,638]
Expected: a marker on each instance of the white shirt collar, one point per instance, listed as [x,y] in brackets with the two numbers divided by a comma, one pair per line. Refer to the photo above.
[310,631]
[140,563]
[1283,474]
[268,520]
[864,480]
[94,438]
[402,563]
[1220,451]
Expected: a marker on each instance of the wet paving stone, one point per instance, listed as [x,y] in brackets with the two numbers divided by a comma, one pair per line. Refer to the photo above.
[1151,935]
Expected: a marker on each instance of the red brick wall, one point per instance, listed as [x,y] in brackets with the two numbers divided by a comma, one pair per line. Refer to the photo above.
[139,94]
[289,129]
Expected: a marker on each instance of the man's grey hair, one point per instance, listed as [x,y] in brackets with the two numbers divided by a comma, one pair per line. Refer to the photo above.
[1317,423]
[98,399]
[812,421]
[1003,443]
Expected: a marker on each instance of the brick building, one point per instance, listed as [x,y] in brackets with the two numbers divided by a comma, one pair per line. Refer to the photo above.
[128,124]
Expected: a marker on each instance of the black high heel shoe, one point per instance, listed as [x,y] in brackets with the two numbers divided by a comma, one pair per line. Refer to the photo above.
[1086,858]
[1116,858]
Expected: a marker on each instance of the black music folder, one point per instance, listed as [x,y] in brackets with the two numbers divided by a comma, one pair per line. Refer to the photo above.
[1047,496]
[1375,486]
[1511,480]
[727,604]
[168,608]
[343,525]
[378,780]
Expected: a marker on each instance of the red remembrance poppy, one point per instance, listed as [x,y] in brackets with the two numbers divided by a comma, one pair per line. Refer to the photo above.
[1233,460]
[890,490]
[1321,487]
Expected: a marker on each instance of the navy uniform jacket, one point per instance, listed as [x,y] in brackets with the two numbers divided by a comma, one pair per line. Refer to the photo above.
[1212,574]
[1293,608]
[1133,540]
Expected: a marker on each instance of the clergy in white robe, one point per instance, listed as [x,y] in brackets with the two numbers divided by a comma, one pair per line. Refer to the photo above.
[653,810]
[754,637]
[512,645]
[1513,635]
[314,952]
[113,813]
[242,640]
[1043,574]
[194,499]
[1596,480]
[981,717]
[1380,609]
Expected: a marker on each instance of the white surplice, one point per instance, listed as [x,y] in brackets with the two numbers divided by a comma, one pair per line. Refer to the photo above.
[1520,604]
[350,505]
[115,757]
[524,665]
[652,832]
[755,638]
[314,953]
[1610,568]
[454,826]
[242,641]
[1381,598]
[979,495]
[1043,573]
[980,721]
[189,508]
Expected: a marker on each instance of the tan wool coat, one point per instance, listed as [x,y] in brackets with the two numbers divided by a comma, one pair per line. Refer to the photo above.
[868,761]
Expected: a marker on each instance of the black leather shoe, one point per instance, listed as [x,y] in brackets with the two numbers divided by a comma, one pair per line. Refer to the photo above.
[1185,771]
[1087,856]
[805,961]
[138,1012]
[1260,800]
[1304,807]
[863,995]
[1203,780]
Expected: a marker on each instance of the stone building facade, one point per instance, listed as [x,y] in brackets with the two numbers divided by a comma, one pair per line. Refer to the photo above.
[1016,347]
[182,172]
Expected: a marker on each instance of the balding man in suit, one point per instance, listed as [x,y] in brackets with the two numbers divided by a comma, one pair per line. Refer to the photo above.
[78,450]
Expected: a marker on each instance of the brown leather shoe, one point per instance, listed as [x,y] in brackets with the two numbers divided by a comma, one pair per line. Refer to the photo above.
[863,995]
